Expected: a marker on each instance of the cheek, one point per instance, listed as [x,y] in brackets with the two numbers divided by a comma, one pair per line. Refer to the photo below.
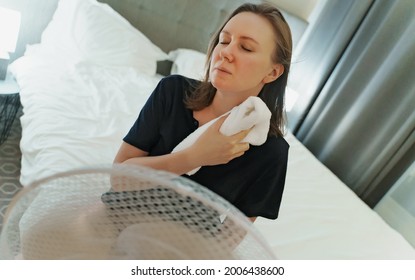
[214,58]
[211,65]
[215,55]
[252,67]
[258,66]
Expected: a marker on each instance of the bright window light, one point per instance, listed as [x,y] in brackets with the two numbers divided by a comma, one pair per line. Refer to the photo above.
[9,29]
[291,97]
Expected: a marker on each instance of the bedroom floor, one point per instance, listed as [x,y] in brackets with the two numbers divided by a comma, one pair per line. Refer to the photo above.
[10,156]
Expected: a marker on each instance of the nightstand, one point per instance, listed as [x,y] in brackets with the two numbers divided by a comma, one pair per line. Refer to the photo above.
[9,105]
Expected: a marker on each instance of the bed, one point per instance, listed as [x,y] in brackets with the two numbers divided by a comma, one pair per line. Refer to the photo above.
[83,85]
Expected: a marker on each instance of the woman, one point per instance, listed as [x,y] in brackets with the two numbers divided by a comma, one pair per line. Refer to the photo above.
[250,55]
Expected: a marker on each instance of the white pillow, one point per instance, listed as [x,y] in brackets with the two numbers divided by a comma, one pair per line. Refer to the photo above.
[85,30]
[187,62]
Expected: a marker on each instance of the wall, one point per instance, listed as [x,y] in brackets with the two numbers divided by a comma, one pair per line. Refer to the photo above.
[300,8]
[37,19]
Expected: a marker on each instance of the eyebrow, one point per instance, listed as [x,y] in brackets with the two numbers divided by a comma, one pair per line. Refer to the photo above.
[242,37]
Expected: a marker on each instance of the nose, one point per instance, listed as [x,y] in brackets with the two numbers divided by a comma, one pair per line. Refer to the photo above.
[227,53]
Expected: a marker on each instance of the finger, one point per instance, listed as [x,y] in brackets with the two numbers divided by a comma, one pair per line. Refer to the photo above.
[241,147]
[220,121]
[238,155]
[244,146]
[240,135]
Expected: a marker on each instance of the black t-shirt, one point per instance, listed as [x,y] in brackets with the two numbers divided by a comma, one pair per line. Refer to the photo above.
[254,182]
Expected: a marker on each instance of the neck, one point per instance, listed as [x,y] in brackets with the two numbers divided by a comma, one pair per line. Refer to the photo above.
[224,102]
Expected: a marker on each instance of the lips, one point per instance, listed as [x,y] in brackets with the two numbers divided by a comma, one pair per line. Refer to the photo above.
[222,69]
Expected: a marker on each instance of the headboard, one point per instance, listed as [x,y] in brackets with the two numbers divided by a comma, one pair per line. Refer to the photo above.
[170,24]
[179,23]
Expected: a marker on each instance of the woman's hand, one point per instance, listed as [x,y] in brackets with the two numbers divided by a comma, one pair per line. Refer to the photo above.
[213,148]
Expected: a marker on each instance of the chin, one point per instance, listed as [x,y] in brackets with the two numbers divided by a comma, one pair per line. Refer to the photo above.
[221,85]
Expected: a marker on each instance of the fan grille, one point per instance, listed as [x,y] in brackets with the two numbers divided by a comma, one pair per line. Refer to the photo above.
[126,212]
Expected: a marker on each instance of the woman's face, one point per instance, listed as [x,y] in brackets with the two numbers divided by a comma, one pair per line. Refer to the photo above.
[241,62]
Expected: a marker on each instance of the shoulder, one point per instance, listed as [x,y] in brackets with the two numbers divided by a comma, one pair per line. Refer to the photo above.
[178,81]
[273,152]
[172,89]
[276,144]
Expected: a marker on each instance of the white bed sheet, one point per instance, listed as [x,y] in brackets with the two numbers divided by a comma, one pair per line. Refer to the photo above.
[321,218]
[76,116]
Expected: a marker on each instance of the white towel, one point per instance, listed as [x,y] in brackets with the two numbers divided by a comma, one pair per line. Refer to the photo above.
[253,112]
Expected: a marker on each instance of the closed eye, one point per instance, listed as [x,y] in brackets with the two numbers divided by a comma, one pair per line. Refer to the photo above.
[246,49]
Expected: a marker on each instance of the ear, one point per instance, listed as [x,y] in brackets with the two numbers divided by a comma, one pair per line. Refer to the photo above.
[276,72]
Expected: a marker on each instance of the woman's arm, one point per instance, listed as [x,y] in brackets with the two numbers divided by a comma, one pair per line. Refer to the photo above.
[212,148]
[178,163]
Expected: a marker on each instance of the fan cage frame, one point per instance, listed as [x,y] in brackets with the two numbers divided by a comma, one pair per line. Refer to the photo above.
[185,187]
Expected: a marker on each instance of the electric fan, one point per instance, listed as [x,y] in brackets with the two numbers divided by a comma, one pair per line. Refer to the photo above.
[126,212]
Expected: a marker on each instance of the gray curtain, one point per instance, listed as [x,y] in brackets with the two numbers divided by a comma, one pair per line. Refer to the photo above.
[361,124]
[319,50]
